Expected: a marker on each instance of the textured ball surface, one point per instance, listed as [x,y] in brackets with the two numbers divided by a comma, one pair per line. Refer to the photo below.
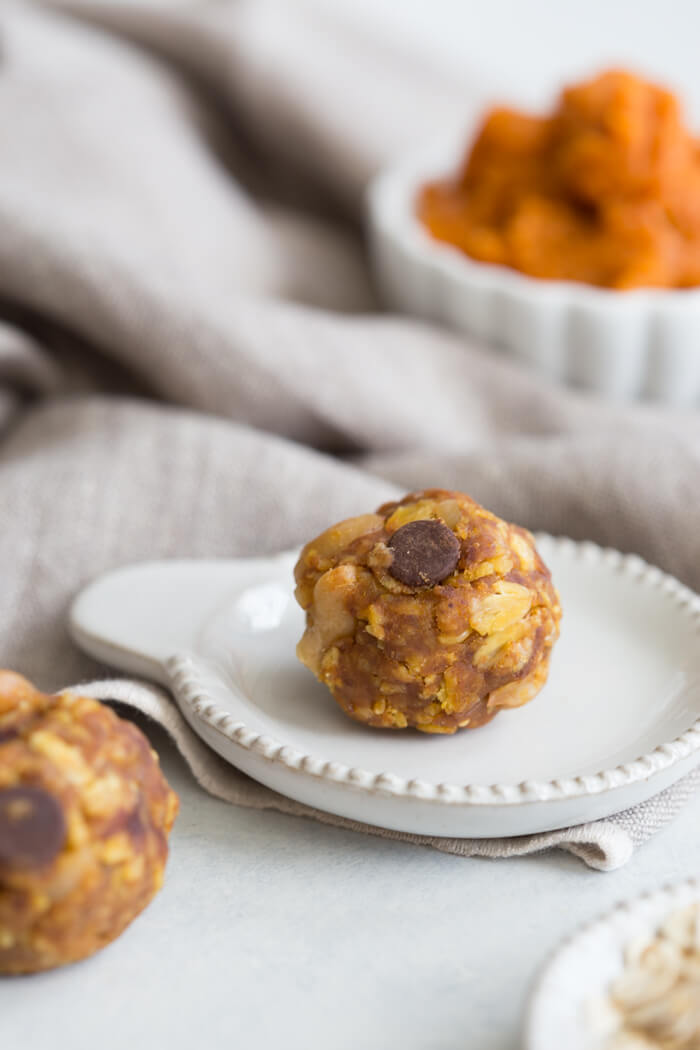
[85,814]
[432,613]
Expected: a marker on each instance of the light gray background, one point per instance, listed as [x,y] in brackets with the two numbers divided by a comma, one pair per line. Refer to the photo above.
[274,931]
[526,48]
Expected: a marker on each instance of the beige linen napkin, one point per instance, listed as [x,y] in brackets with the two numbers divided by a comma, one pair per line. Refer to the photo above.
[190,361]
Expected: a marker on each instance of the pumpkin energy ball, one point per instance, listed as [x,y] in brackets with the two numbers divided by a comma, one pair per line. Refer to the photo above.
[85,814]
[431,613]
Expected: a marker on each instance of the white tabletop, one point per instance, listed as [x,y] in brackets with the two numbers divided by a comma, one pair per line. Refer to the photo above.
[274,931]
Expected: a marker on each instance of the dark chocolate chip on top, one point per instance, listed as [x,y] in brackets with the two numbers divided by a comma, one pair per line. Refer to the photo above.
[425,553]
[32,826]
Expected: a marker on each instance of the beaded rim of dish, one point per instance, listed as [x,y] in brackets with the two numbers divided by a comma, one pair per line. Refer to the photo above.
[187,674]
[546,988]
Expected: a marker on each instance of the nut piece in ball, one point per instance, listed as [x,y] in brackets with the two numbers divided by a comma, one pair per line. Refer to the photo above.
[85,814]
[432,613]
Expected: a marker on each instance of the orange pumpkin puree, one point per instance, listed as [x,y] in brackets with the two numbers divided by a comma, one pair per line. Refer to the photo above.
[604,191]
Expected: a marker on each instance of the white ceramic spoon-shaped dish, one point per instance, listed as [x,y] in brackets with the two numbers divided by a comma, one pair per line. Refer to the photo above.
[618,720]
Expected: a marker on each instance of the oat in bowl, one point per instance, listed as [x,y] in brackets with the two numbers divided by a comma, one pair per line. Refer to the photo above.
[570,239]
[655,1002]
[431,613]
[629,980]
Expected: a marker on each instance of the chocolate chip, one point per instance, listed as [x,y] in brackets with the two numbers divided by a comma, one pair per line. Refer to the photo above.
[8,733]
[134,825]
[32,827]
[425,553]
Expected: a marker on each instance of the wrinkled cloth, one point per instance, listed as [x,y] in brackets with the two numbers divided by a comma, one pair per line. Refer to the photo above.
[192,361]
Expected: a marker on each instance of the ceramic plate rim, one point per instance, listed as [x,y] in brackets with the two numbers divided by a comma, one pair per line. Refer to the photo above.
[190,690]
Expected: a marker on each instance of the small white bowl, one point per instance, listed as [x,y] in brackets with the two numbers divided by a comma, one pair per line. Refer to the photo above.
[641,344]
[567,1009]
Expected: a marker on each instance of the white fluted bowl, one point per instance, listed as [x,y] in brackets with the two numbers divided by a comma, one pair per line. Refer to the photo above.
[631,345]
